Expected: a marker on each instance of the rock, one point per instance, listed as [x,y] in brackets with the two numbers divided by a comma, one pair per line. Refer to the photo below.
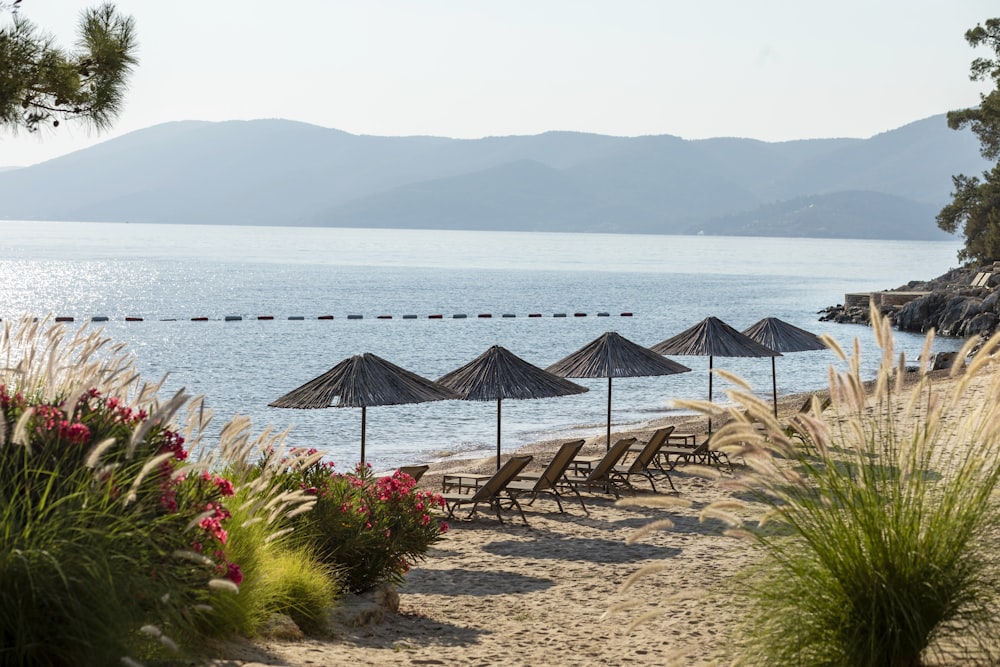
[941,361]
[920,314]
[990,302]
[956,311]
[281,627]
[982,324]
[369,608]
[387,597]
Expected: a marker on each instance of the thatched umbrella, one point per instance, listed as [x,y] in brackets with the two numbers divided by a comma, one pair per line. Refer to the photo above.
[614,356]
[498,373]
[781,336]
[361,381]
[712,338]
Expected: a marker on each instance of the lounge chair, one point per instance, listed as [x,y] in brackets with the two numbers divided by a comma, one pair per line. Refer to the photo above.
[643,463]
[416,472]
[670,457]
[598,474]
[793,427]
[549,480]
[489,492]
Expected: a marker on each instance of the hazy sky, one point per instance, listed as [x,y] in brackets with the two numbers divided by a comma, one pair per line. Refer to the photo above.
[765,69]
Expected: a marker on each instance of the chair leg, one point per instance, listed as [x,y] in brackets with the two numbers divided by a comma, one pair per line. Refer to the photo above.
[518,506]
[555,495]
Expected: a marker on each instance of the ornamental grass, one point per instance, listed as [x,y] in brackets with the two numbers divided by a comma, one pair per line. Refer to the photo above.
[880,517]
[120,540]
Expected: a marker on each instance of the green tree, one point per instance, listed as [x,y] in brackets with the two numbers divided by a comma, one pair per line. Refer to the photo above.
[975,206]
[42,84]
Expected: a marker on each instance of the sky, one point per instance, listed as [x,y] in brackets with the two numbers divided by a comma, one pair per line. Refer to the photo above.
[772,70]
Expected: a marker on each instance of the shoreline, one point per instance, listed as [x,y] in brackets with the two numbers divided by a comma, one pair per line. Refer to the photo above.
[515,595]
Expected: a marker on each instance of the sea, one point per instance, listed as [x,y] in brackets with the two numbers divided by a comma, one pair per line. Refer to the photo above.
[199,291]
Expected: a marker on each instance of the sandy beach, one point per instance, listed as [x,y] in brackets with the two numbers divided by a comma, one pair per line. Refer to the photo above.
[514,595]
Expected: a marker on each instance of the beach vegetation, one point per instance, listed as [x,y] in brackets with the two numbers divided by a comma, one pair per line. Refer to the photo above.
[124,534]
[280,575]
[871,525]
[877,519]
[112,541]
[974,210]
[42,84]
[373,529]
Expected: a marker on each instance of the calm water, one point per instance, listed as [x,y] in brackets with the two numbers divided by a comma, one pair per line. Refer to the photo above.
[168,274]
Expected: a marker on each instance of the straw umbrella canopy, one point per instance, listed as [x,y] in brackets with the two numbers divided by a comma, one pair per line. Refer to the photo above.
[497,374]
[614,356]
[713,338]
[781,336]
[361,381]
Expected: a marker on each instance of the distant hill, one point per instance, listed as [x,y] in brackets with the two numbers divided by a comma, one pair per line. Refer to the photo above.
[279,172]
[853,214]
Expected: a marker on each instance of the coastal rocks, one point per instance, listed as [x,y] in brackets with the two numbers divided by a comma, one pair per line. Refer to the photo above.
[962,303]
[920,314]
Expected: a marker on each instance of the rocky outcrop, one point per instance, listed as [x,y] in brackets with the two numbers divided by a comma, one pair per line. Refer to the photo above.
[962,303]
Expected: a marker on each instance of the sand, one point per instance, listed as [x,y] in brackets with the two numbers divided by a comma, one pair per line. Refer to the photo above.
[513,595]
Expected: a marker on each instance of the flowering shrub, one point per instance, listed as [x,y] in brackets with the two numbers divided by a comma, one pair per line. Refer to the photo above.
[106,528]
[373,527]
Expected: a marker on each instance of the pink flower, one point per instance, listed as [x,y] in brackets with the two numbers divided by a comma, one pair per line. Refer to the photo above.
[234,573]
[444,527]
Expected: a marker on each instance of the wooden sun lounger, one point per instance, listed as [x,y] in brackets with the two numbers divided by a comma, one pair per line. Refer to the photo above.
[550,480]
[490,491]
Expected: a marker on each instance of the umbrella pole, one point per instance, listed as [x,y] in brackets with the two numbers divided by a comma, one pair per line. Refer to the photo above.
[363,410]
[774,387]
[608,445]
[710,393]
[498,432]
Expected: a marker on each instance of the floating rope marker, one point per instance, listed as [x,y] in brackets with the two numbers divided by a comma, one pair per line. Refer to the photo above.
[435,317]
[296,317]
[233,318]
[133,319]
[409,317]
[459,316]
[265,317]
[355,317]
[325,317]
[508,315]
[99,318]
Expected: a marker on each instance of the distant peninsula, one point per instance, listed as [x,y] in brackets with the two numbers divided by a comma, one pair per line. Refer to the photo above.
[286,173]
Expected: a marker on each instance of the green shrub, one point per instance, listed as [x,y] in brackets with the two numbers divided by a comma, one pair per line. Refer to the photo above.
[374,528]
[111,543]
[280,574]
[880,524]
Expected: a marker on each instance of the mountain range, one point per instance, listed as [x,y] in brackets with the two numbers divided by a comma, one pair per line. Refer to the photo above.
[280,172]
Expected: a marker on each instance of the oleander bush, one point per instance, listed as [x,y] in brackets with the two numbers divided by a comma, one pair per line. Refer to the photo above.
[111,541]
[124,536]
[881,519]
[372,528]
